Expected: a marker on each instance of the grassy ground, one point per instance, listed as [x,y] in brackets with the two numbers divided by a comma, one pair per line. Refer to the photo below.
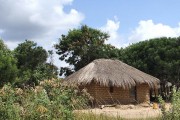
[91,116]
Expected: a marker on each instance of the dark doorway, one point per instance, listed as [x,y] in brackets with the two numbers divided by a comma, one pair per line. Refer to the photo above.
[133,93]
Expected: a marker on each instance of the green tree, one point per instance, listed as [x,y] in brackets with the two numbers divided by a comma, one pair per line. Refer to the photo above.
[8,68]
[81,46]
[45,71]
[30,57]
[159,57]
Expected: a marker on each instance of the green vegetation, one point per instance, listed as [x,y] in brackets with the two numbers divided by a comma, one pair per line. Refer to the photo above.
[8,68]
[159,57]
[30,61]
[48,101]
[174,112]
[81,46]
[26,65]
[29,85]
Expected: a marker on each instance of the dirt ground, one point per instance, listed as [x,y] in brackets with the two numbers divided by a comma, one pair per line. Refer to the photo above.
[128,111]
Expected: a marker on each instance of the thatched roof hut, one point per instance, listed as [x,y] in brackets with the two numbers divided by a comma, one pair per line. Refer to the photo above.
[109,72]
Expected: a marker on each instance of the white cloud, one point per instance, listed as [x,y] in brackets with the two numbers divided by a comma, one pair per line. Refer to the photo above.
[112,27]
[36,19]
[42,21]
[148,29]
[1,32]
[11,44]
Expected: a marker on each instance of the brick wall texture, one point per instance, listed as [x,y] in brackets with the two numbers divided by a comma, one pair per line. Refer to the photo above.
[102,94]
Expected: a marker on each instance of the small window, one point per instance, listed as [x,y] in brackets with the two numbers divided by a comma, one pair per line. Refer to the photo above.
[111,89]
[133,91]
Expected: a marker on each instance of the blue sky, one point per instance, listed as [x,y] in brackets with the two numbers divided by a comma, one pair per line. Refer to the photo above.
[128,12]
[127,21]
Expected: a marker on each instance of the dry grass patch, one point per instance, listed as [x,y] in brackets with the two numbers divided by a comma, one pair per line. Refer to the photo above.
[127,112]
[92,116]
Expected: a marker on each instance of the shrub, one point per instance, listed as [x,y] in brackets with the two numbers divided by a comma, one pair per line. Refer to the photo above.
[174,112]
[9,108]
[50,100]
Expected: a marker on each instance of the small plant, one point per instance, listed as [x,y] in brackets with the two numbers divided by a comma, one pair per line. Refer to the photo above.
[174,112]
[162,105]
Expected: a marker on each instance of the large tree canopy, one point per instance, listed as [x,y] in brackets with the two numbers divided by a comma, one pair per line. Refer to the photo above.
[159,57]
[31,60]
[81,46]
[8,68]
[29,55]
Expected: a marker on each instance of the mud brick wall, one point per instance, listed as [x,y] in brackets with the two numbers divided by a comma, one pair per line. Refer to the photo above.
[102,94]
[143,93]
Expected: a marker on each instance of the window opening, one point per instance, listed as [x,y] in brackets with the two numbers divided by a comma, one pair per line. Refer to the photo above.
[111,89]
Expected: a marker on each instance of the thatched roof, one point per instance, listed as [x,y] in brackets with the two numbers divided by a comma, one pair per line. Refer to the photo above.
[108,72]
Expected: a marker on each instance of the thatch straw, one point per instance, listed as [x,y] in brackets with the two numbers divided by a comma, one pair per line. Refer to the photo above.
[109,72]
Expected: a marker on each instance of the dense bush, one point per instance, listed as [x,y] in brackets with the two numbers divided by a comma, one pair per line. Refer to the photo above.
[26,65]
[30,57]
[174,112]
[50,100]
[8,68]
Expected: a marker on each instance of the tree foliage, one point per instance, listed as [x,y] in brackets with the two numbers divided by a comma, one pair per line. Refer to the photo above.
[81,46]
[31,58]
[8,68]
[25,65]
[29,55]
[159,57]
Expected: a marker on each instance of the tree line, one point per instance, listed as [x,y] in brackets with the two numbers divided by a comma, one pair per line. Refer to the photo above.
[27,64]
[159,57]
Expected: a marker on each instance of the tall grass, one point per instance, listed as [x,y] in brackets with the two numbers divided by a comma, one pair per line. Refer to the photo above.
[49,101]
